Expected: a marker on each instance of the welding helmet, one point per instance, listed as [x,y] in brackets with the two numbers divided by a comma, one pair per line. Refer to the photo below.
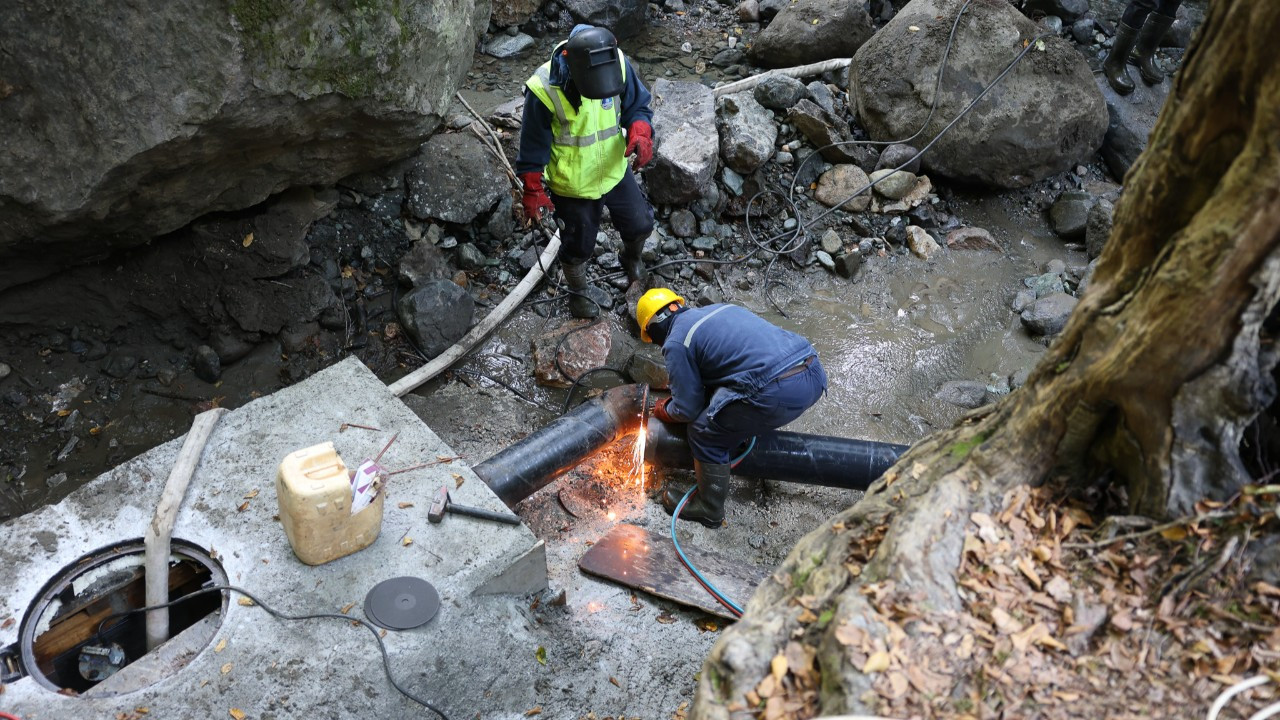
[594,64]
[652,307]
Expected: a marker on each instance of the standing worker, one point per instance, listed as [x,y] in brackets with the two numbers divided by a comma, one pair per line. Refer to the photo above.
[1142,26]
[575,107]
[733,376]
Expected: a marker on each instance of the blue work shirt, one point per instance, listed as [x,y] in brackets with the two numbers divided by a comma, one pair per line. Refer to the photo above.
[721,353]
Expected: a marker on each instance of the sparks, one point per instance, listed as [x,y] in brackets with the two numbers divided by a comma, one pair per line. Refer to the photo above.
[637,456]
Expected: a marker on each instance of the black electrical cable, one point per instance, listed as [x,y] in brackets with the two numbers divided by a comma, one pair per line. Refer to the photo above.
[382,647]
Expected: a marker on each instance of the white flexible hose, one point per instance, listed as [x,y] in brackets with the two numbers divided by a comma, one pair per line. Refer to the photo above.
[1236,689]
[1266,712]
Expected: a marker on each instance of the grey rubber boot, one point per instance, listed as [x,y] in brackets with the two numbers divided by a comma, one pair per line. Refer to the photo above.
[575,277]
[1115,66]
[632,262]
[707,505]
[1144,48]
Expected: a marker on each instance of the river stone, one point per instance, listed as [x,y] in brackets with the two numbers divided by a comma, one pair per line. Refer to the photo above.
[646,365]
[513,12]
[623,18]
[1049,314]
[436,315]
[685,157]
[971,238]
[825,260]
[422,262]
[1083,30]
[839,183]
[1098,227]
[119,365]
[1130,120]
[893,185]
[1022,300]
[1046,116]
[847,265]
[897,154]
[502,222]
[822,129]
[454,179]
[921,243]
[821,95]
[505,46]
[127,121]
[1066,10]
[1047,284]
[831,241]
[779,92]
[469,257]
[206,364]
[683,223]
[4,370]
[1070,214]
[747,132]
[578,346]
[963,393]
[807,31]
[769,9]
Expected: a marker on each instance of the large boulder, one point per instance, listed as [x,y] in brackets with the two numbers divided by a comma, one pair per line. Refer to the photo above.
[808,31]
[514,12]
[121,122]
[686,153]
[437,315]
[1047,114]
[747,132]
[454,179]
[624,18]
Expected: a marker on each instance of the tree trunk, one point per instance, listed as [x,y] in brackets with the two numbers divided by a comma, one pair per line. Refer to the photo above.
[1164,362]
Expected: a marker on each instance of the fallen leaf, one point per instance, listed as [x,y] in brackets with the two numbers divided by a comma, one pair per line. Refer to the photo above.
[243,506]
[248,240]
[459,480]
[913,28]
[1024,564]
[707,625]
[8,623]
[236,713]
[1174,533]
[245,602]
[1267,589]
[614,680]
[407,541]
[666,618]
[404,505]
[222,645]
[778,666]
[533,711]
[541,655]
[877,662]
[226,668]
[850,635]
[347,608]
[897,685]
[251,494]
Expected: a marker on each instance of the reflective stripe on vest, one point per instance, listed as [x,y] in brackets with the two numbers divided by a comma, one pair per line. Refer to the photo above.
[688,338]
[587,147]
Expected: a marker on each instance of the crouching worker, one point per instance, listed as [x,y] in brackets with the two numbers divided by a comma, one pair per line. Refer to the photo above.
[573,155]
[734,375]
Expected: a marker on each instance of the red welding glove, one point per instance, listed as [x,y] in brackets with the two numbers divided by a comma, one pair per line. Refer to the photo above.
[660,411]
[640,142]
[535,198]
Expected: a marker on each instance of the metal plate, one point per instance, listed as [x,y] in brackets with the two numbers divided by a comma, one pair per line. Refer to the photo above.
[401,603]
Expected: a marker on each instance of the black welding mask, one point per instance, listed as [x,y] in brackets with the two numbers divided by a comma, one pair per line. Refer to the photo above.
[593,63]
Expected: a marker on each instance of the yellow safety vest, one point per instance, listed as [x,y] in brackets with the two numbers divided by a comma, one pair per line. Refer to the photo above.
[587,146]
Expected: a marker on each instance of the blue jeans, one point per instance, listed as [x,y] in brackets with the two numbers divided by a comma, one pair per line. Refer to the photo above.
[630,210]
[713,439]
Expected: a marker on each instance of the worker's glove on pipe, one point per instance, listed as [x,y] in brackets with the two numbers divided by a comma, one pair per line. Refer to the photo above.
[535,198]
[640,142]
[660,411]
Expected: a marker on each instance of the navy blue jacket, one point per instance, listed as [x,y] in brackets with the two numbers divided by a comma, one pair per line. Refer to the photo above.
[535,128]
[721,353]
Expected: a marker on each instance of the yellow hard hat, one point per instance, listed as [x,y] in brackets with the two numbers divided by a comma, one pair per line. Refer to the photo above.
[649,304]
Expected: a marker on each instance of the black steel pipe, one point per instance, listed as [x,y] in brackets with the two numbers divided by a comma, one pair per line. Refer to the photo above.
[522,469]
[794,457]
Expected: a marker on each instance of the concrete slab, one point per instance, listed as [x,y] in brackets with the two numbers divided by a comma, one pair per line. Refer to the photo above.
[318,668]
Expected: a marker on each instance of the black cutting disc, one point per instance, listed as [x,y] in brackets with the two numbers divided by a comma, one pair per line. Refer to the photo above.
[401,603]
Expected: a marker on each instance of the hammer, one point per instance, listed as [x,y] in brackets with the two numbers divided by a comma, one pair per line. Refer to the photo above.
[442,503]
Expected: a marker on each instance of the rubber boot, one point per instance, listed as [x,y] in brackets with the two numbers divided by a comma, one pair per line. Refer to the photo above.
[1115,66]
[575,277]
[707,505]
[1144,48]
[632,262]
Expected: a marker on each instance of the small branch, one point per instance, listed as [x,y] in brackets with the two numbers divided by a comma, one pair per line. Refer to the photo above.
[493,135]
[1190,519]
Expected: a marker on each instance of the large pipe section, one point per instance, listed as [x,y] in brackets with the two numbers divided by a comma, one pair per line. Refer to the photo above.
[794,457]
[529,465]
[522,469]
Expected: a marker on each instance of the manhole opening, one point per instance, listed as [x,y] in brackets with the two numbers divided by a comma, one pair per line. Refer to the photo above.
[72,638]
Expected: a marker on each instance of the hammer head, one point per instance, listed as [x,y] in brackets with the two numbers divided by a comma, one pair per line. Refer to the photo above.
[438,504]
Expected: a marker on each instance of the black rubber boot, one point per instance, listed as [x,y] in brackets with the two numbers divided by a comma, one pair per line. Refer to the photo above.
[632,262]
[1115,66]
[707,505]
[575,277]
[1144,49]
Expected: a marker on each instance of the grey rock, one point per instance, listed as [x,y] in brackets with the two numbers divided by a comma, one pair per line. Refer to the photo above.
[898,154]
[1066,10]
[1087,276]
[1052,23]
[921,243]
[893,185]
[1022,300]
[1049,314]
[847,265]
[165,376]
[469,257]
[779,92]
[783,158]
[502,222]
[831,242]
[807,31]
[822,129]
[454,179]
[821,95]
[748,11]
[705,244]
[206,364]
[769,9]
[119,365]
[732,180]
[963,393]
[971,238]
[1082,30]
[1048,284]
[623,17]
[436,315]
[839,183]
[683,223]
[686,155]
[1056,266]
[747,132]
[825,260]
[728,58]
[509,114]
[646,365]
[1069,215]
[505,46]
[513,12]
[1019,378]
[1048,115]
[1130,120]
[53,482]
[5,370]
[218,117]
